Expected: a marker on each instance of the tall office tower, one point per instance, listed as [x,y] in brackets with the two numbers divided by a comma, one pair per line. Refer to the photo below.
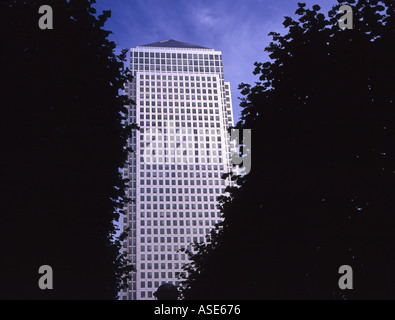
[183,108]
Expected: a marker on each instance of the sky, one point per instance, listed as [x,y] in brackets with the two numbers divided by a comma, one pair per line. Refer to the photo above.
[237,28]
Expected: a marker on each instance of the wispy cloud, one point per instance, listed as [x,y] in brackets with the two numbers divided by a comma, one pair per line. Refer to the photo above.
[206,17]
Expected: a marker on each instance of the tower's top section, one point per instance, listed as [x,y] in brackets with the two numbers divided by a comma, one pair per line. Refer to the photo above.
[173,44]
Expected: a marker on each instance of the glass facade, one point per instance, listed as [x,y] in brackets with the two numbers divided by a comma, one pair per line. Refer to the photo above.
[183,108]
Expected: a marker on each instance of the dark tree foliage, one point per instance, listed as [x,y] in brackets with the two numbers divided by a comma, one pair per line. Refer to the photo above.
[63,143]
[321,191]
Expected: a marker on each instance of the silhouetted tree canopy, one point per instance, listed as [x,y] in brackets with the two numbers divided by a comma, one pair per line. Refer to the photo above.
[321,191]
[63,143]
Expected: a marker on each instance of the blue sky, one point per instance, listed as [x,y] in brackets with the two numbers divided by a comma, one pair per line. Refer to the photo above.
[237,28]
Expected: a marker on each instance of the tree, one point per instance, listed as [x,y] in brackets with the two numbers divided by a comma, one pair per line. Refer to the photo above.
[320,193]
[64,143]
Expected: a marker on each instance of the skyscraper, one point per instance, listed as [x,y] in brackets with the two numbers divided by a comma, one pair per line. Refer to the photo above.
[183,108]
